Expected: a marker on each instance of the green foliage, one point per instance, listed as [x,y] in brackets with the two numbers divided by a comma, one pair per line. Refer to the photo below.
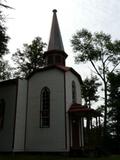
[30,58]
[3,37]
[96,47]
[114,104]
[4,67]
[4,70]
[89,90]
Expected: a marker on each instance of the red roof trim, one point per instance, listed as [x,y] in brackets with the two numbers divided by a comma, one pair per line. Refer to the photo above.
[78,108]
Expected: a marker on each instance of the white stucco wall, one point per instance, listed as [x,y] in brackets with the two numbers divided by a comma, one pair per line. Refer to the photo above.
[69,78]
[53,138]
[20,116]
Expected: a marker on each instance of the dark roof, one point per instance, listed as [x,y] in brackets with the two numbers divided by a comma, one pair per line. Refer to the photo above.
[83,111]
[8,82]
[59,67]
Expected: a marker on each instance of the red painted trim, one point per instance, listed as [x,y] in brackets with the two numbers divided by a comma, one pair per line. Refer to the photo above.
[78,108]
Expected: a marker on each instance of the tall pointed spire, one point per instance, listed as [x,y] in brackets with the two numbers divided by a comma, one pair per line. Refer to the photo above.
[55,55]
[55,41]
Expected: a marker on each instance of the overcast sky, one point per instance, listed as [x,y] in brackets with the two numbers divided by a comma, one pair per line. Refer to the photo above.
[32,18]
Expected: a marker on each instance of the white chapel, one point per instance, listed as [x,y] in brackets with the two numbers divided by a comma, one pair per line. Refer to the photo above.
[44,112]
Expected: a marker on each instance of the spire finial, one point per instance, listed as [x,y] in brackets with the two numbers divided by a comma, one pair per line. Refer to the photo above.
[54,10]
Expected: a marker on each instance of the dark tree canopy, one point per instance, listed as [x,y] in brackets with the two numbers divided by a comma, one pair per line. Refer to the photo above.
[3,37]
[89,90]
[114,104]
[4,67]
[4,70]
[96,47]
[30,58]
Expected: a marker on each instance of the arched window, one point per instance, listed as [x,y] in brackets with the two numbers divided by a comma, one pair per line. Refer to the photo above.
[45,108]
[2,109]
[73,92]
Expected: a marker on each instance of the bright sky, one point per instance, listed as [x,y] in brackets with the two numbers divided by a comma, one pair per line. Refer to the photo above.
[33,18]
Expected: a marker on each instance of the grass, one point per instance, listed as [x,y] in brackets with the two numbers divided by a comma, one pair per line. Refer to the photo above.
[12,156]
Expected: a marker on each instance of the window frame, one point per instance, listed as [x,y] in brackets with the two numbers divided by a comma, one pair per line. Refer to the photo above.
[45,112]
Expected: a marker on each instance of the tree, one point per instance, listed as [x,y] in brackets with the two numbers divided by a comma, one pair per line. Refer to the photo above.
[30,58]
[5,6]
[101,52]
[4,67]
[114,104]
[3,37]
[89,90]
[5,70]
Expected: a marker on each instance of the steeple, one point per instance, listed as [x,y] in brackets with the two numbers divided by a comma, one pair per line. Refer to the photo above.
[55,54]
[55,41]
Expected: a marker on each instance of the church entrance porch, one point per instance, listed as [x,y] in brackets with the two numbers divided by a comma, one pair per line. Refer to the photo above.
[85,128]
[75,134]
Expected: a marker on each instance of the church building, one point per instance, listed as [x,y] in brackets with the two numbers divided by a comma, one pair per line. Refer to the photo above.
[44,112]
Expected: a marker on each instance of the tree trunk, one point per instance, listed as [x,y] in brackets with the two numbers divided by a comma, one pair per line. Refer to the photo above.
[105,108]
[89,104]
